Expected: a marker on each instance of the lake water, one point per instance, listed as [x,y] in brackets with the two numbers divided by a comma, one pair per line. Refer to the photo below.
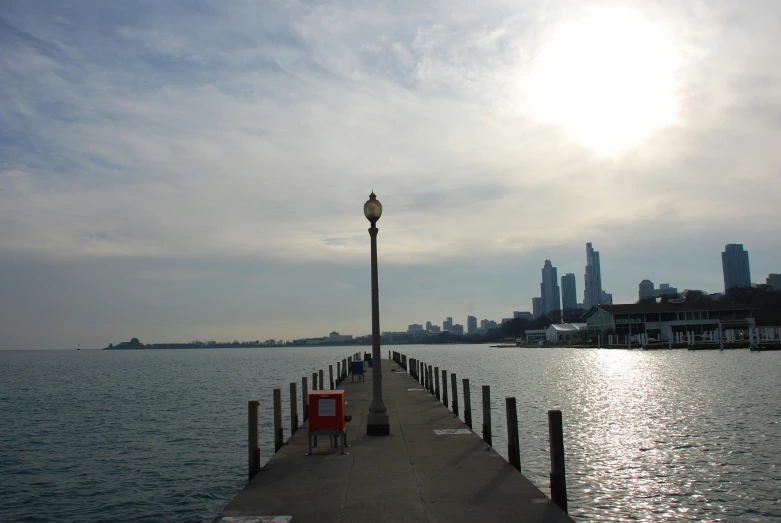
[161,435]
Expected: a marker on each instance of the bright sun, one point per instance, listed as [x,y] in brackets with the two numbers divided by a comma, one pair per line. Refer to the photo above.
[608,78]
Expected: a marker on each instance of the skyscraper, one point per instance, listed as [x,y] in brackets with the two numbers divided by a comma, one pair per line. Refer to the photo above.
[448,324]
[471,324]
[734,262]
[592,294]
[646,290]
[537,307]
[549,289]
[569,292]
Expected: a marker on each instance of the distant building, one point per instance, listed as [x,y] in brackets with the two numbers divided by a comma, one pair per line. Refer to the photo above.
[646,290]
[428,326]
[458,329]
[734,263]
[488,324]
[549,289]
[523,315]
[592,294]
[537,307]
[565,331]
[448,324]
[471,325]
[774,280]
[569,292]
[415,327]
[606,297]
[435,328]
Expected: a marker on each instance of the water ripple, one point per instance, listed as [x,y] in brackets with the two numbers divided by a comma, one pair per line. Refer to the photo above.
[160,435]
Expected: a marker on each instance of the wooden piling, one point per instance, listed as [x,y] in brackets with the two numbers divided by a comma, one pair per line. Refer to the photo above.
[558,484]
[314,381]
[436,383]
[331,376]
[252,440]
[320,375]
[444,388]
[454,398]
[467,404]
[487,414]
[304,399]
[338,373]
[278,433]
[513,442]
[293,408]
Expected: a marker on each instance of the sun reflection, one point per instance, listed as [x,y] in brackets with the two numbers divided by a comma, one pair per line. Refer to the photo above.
[608,78]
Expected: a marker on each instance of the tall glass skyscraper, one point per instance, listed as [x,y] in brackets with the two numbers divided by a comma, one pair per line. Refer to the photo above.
[569,292]
[549,289]
[734,262]
[592,294]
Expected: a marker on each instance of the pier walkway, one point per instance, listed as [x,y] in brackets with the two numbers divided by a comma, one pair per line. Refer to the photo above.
[413,475]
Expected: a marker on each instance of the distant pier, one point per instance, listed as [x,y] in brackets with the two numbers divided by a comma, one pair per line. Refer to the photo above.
[431,468]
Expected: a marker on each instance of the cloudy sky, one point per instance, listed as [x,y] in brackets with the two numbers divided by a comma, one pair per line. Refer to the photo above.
[180,170]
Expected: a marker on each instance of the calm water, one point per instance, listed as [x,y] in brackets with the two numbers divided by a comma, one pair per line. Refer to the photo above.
[161,435]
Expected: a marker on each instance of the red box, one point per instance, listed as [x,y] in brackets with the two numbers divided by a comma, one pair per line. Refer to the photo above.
[326,410]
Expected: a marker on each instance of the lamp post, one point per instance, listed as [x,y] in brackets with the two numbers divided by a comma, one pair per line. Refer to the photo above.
[377,424]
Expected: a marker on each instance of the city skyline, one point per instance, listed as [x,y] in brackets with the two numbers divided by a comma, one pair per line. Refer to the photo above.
[180,171]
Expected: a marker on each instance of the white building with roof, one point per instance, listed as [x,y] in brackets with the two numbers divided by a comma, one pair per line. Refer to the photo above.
[566,331]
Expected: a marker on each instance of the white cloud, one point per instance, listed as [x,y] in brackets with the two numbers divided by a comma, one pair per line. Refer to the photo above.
[258,130]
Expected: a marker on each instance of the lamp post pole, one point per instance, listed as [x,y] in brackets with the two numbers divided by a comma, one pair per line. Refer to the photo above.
[377,424]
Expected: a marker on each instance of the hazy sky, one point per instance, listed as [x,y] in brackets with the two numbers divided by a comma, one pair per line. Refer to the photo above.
[180,170]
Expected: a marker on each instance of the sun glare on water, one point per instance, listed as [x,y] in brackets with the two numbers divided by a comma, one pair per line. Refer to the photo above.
[608,79]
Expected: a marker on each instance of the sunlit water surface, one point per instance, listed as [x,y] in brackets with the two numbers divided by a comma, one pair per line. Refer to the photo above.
[161,435]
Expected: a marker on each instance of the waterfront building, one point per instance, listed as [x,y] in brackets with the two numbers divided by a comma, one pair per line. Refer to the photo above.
[549,289]
[536,335]
[428,326]
[448,324]
[335,337]
[662,321]
[471,324]
[523,315]
[458,329]
[646,290]
[774,280]
[734,263]
[592,294]
[565,332]
[569,292]
[415,327]
[537,307]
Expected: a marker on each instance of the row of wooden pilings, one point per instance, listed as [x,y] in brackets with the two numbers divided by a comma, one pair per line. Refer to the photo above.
[428,376]
[343,369]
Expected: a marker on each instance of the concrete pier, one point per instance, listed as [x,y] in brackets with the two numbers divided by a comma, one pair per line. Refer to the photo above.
[412,475]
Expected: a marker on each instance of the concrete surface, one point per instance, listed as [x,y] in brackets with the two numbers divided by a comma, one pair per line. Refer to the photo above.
[413,475]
